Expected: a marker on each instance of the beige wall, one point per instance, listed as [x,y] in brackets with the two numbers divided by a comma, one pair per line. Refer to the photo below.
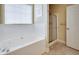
[0,14]
[60,11]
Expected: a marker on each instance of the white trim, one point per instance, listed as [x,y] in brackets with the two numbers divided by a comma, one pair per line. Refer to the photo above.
[47,26]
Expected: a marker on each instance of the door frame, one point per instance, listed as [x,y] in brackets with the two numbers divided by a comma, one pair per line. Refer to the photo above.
[46,16]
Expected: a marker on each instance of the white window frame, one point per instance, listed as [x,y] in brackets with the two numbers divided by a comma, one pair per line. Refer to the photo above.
[3,14]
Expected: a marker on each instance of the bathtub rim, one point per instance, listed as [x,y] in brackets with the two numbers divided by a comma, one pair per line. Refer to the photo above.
[22,46]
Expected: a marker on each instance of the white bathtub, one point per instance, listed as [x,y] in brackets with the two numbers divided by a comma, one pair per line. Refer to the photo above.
[31,45]
[33,42]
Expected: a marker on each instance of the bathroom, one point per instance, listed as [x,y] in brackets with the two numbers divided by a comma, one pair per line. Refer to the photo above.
[23,27]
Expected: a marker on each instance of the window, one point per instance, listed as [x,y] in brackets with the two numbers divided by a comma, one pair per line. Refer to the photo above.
[38,10]
[38,13]
[18,14]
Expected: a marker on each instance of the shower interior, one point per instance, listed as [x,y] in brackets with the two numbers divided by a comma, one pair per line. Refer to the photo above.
[52,26]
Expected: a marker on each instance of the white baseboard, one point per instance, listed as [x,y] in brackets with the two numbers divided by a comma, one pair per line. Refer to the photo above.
[61,41]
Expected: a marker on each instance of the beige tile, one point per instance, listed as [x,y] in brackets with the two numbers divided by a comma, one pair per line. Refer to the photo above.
[60,49]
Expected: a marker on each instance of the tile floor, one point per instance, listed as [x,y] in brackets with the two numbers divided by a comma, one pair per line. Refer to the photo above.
[61,49]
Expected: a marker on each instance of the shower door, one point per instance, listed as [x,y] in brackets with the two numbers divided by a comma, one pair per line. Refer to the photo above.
[53,28]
